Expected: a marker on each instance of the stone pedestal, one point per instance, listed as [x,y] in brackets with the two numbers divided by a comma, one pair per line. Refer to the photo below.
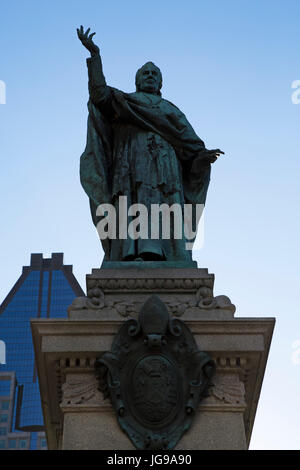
[77,417]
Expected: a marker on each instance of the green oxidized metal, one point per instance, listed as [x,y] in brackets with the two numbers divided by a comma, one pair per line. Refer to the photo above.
[155,377]
[142,147]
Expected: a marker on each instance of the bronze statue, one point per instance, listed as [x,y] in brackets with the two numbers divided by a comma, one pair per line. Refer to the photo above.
[141,146]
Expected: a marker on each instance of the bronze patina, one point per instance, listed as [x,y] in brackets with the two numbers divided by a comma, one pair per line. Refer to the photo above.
[155,377]
[141,146]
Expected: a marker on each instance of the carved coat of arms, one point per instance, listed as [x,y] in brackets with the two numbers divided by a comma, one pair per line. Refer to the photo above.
[155,377]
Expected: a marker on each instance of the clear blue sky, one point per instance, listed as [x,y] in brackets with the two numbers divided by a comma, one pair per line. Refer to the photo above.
[229,66]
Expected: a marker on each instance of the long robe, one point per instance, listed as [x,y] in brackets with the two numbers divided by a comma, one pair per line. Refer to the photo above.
[141,146]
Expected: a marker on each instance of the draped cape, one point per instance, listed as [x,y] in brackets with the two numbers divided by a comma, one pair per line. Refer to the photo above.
[96,163]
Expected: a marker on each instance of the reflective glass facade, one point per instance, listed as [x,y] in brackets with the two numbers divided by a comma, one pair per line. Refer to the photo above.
[45,289]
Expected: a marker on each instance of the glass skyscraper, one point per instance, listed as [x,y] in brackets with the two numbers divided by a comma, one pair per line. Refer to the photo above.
[45,289]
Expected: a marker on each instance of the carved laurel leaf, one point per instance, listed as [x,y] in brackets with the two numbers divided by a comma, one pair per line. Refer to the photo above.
[79,391]
[228,389]
[121,308]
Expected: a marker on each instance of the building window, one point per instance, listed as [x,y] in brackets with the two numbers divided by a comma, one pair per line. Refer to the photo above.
[2,431]
[5,387]
[12,443]
[43,442]
[44,292]
[2,444]
[3,418]
[23,443]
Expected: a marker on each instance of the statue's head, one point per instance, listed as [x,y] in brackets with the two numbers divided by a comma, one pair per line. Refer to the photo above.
[149,78]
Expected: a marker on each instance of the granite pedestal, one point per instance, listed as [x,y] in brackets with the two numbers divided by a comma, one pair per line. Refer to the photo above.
[77,417]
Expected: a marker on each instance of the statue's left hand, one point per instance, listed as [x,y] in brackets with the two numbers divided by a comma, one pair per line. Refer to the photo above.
[204,159]
[212,155]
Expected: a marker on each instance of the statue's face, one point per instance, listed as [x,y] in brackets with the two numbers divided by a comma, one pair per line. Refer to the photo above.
[150,79]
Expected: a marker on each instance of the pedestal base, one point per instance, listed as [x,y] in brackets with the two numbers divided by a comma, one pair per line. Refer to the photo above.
[77,417]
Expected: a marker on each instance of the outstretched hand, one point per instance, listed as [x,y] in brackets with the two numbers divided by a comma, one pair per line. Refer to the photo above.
[212,155]
[87,40]
[204,159]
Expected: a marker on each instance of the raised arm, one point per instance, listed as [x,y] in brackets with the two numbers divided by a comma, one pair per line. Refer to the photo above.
[87,40]
[100,93]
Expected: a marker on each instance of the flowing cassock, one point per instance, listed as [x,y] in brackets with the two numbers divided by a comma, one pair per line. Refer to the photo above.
[141,146]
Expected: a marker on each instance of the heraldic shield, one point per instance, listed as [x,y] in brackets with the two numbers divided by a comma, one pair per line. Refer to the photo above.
[155,377]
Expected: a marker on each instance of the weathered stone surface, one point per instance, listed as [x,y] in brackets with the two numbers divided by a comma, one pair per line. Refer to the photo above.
[81,431]
[77,417]
[224,430]
[155,377]
[84,408]
[188,293]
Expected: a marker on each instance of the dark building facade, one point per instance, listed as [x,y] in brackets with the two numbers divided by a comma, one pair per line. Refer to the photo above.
[45,289]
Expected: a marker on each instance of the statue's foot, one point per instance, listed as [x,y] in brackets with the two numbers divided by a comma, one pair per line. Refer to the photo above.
[145,256]
[128,258]
[151,256]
